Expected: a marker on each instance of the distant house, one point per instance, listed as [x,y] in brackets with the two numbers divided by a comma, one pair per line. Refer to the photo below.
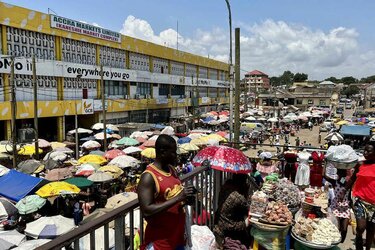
[257,81]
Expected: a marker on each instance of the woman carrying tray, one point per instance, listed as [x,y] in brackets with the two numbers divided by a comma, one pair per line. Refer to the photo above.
[364,197]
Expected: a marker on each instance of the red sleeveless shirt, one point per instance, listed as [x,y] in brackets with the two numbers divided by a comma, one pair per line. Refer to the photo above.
[165,230]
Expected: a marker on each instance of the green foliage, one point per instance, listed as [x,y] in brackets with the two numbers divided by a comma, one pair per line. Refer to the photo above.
[348,80]
[369,79]
[286,78]
[300,77]
[350,90]
[333,79]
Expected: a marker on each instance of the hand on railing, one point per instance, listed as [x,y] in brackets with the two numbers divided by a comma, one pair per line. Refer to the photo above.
[188,195]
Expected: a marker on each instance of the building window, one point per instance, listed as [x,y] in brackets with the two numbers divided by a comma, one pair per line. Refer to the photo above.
[212,92]
[310,101]
[164,89]
[322,102]
[144,88]
[178,90]
[115,88]
[299,101]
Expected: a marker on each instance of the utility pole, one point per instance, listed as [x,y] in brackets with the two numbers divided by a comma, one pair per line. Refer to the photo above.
[35,86]
[237,87]
[147,108]
[104,111]
[230,74]
[76,123]
[13,111]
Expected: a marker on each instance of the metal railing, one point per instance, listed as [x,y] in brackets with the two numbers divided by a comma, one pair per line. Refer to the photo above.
[207,182]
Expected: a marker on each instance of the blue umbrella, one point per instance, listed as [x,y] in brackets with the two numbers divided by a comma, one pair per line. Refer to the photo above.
[184,140]
[158,126]
[208,119]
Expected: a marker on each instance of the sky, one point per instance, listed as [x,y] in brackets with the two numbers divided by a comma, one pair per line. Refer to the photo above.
[321,38]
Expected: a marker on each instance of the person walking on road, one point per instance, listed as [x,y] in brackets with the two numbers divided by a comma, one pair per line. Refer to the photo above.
[161,198]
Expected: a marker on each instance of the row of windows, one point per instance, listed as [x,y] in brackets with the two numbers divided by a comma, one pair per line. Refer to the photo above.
[113,88]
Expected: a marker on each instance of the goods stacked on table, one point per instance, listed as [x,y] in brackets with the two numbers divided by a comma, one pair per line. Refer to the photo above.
[278,213]
[287,193]
[259,202]
[320,231]
[269,185]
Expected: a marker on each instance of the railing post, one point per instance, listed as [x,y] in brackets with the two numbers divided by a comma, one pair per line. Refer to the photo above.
[120,232]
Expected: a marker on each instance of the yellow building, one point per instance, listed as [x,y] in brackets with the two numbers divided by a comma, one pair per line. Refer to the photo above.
[139,77]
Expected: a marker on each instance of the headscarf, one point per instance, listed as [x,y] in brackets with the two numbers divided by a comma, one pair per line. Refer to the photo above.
[265,155]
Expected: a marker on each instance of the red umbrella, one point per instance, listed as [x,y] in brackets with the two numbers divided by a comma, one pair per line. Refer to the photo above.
[142,147]
[222,133]
[113,153]
[141,139]
[224,113]
[149,144]
[224,158]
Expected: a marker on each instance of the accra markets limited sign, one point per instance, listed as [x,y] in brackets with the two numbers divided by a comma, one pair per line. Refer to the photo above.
[70,25]
[87,106]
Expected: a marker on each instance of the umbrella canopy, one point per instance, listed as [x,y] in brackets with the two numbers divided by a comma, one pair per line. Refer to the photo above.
[168,130]
[114,171]
[149,144]
[64,150]
[250,118]
[93,159]
[334,135]
[57,188]
[120,199]
[29,150]
[11,239]
[28,166]
[141,139]
[85,170]
[189,147]
[43,143]
[195,136]
[273,119]
[31,244]
[97,152]
[224,158]
[222,133]
[49,227]
[199,142]
[215,137]
[80,131]
[91,145]
[7,148]
[88,138]
[30,204]
[100,136]
[3,170]
[100,177]
[99,126]
[149,153]
[184,140]
[154,138]
[111,154]
[127,141]
[138,134]
[6,209]
[80,182]
[58,174]
[124,161]
[116,136]
[131,150]
[56,156]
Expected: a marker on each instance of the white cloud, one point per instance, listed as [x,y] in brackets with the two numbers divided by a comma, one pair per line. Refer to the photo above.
[272,47]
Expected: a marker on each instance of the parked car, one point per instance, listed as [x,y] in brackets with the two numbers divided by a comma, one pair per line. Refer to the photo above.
[339,111]
[371,124]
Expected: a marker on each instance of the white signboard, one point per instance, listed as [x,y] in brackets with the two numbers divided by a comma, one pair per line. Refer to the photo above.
[162,100]
[87,106]
[98,105]
[70,25]
[206,100]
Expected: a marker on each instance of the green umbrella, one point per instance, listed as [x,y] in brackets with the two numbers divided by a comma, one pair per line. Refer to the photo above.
[97,152]
[30,204]
[79,182]
[127,141]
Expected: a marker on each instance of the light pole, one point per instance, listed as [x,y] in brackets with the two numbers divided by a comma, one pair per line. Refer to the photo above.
[230,74]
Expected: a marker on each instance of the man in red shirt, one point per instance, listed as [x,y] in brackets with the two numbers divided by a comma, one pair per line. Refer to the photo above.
[161,197]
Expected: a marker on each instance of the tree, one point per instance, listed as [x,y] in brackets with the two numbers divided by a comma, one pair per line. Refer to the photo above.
[286,78]
[332,79]
[274,81]
[300,77]
[369,79]
[350,90]
[348,80]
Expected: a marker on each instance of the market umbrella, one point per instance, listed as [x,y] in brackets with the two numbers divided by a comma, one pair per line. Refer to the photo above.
[154,138]
[29,150]
[181,151]
[149,144]
[136,134]
[116,136]
[113,153]
[80,182]
[189,147]
[124,161]
[127,141]
[222,133]
[7,148]
[199,142]
[57,188]
[88,138]
[3,170]
[43,143]
[120,199]
[99,126]
[168,130]
[49,227]
[335,135]
[31,244]
[100,177]
[114,171]
[100,136]
[49,164]
[56,156]
[91,145]
[141,139]
[184,140]
[85,170]
[223,158]
[335,139]
[58,174]
[195,136]
[131,150]
[11,239]
[250,118]
[6,209]
[113,144]
[30,204]
[28,166]
[97,152]
[80,131]
[149,153]
[64,150]
[92,158]
[215,137]
[273,119]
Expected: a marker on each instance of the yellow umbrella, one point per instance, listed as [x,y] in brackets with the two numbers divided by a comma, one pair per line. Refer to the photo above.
[189,147]
[57,188]
[56,144]
[343,122]
[28,150]
[114,171]
[149,153]
[215,137]
[92,159]
[199,141]
[7,148]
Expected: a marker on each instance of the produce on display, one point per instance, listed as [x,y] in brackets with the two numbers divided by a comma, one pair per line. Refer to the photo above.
[287,193]
[269,187]
[259,202]
[278,213]
[317,231]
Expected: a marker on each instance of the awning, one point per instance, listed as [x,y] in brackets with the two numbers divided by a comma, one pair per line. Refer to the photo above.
[359,130]
[16,185]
